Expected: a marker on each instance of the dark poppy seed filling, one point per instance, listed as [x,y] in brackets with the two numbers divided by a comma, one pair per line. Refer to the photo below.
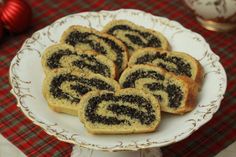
[119,109]
[99,84]
[135,40]
[155,86]
[80,38]
[93,65]
[175,95]
[79,84]
[81,89]
[54,60]
[182,68]
[140,79]
[150,39]
[130,80]
[174,92]
[83,61]
[143,117]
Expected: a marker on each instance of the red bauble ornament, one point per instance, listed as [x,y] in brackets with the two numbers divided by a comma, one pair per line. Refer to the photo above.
[16,15]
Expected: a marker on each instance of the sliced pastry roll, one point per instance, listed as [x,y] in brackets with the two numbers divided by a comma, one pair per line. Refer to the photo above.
[122,112]
[65,56]
[134,36]
[89,39]
[177,62]
[64,88]
[176,94]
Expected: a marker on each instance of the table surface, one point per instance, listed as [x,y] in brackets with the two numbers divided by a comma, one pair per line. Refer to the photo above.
[33,141]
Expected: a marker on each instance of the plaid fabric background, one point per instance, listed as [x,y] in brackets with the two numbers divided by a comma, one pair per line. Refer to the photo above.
[33,141]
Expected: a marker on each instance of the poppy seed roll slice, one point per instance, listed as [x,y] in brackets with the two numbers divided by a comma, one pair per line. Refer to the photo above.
[176,94]
[121,112]
[65,56]
[178,63]
[64,88]
[86,39]
[135,36]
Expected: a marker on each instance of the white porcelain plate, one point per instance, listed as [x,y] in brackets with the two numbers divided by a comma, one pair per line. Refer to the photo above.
[26,76]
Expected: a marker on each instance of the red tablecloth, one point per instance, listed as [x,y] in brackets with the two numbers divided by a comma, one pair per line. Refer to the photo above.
[33,141]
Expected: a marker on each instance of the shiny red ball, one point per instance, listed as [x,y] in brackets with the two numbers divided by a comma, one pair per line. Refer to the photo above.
[16,15]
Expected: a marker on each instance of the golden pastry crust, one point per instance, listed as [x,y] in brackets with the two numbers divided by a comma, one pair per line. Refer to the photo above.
[163,85]
[158,82]
[63,88]
[91,39]
[129,37]
[195,68]
[134,126]
[69,57]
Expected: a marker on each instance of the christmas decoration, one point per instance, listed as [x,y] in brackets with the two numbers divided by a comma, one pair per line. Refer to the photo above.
[15,15]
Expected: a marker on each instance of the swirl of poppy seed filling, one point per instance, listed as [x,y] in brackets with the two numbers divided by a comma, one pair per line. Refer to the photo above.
[54,60]
[93,65]
[175,94]
[80,85]
[150,39]
[77,37]
[130,80]
[182,67]
[117,107]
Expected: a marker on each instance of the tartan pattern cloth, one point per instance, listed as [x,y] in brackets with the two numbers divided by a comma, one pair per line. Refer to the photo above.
[33,141]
